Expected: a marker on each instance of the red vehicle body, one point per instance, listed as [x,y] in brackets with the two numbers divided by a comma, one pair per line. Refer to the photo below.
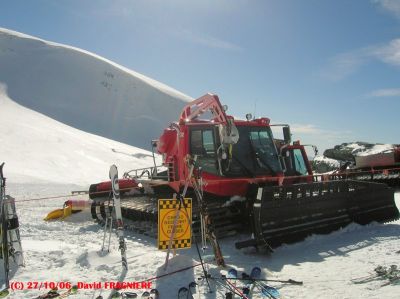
[283,201]
[177,142]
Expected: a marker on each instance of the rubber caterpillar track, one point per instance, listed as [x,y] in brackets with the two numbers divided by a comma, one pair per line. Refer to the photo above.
[274,214]
[141,215]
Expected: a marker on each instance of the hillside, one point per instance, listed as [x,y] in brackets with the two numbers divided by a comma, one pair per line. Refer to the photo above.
[86,91]
[38,148]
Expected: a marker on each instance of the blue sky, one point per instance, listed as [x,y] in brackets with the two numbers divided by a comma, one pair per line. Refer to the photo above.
[331,69]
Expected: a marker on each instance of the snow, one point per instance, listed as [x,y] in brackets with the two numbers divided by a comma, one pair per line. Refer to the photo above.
[364,149]
[86,91]
[162,87]
[377,149]
[45,158]
[355,147]
[331,162]
[69,251]
[75,157]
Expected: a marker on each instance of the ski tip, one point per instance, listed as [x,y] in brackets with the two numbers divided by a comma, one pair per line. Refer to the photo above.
[116,295]
[193,284]
[232,272]
[183,293]
[183,289]
[129,295]
[271,291]
[154,294]
[255,272]
[4,293]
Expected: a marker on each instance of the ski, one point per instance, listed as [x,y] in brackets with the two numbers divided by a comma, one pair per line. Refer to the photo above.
[154,294]
[266,290]
[4,293]
[270,292]
[192,289]
[254,274]
[116,295]
[4,231]
[71,291]
[381,272]
[123,295]
[183,293]
[232,274]
[393,276]
[394,280]
[118,215]
[53,293]
[145,295]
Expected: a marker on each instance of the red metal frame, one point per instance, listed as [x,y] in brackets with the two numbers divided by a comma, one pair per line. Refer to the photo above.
[175,148]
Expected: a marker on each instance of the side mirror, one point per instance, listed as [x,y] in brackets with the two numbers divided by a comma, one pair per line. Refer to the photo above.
[315,150]
[283,164]
[287,136]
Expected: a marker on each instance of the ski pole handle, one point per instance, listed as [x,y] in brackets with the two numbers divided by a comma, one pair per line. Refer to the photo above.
[295,282]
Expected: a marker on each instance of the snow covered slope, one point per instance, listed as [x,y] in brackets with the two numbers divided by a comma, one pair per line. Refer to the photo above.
[86,91]
[38,148]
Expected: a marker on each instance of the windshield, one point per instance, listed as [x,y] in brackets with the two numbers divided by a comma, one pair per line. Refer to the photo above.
[254,153]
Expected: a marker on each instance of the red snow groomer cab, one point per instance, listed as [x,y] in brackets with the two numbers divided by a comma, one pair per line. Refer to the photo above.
[250,180]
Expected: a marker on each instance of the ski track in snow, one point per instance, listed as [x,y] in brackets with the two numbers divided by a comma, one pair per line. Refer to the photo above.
[69,250]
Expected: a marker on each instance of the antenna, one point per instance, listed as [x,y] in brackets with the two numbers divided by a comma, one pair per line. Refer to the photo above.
[255,106]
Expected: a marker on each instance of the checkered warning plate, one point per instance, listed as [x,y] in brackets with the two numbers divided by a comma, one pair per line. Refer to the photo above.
[167,217]
[176,244]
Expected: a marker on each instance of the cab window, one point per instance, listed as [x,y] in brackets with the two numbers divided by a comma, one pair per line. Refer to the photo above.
[202,144]
[298,161]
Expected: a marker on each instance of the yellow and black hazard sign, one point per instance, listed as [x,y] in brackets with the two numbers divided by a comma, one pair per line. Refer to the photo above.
[167,211]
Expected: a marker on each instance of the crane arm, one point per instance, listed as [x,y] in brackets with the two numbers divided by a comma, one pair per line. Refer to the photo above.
[208,102]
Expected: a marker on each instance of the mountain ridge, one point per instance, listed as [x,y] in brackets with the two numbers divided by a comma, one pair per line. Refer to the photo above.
[86,91]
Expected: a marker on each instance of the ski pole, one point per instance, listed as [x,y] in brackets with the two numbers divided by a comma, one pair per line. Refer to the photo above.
[236,289]
[202,264]
[291,281]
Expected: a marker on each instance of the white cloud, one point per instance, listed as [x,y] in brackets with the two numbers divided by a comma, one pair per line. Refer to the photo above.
[305,129]
[392,6]
[389,53]
[388,92]
[206,40]
[345,64]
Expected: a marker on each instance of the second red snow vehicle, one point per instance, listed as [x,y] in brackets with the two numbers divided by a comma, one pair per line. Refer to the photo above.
[249,179]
